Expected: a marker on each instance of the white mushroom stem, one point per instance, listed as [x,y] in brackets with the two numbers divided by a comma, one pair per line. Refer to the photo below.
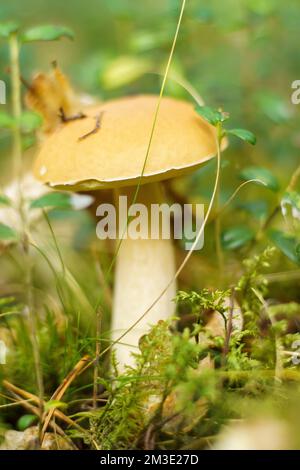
[144,267]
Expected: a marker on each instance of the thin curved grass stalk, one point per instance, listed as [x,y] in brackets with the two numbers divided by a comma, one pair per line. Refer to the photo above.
[234,194]
[59,292]
[162,88]
[17,157]
[184,83]
[60,391]
[218,229]
[69,280]
[290,187]
[278,346]
[184,262]
[97,353]
[212,201]
[16,104]
[54,240]
[294,179]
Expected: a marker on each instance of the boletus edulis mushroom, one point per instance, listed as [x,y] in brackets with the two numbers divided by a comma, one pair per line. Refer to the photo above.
[107,149]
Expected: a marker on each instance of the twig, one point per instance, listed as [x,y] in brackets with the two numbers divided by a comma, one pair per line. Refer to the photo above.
[60,391]
[36,411]
[74,117]
[149,439]
[96,128]
[29,396]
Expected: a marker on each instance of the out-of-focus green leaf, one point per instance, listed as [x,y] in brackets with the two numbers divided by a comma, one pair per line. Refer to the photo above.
[204,13]
[264,175]
[54,200]
[146,40]
[28,140]
[273,106]
[6,29]
[236,237]
[288,244]
[243,134]
[4,200]
[298,252]
[6,121]
[124,70]
[30,121]
[7,233]
[54,404]
[258,209]
[25,421]
[47,33]
[211,115]
[291,199]
[262,7]
[57,200]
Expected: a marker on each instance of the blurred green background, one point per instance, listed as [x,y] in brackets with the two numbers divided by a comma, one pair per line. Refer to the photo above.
[239,54]
[242,55]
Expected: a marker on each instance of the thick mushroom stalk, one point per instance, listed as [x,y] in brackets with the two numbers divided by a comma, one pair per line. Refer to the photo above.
[144,267]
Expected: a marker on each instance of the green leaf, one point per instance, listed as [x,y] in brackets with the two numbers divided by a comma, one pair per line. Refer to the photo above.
[273,106]
[54,404]
[6,29]
[58,200]
[264,175]
[6,121]
[144,41]
[124,70]
[211,115]
[243,134]
[30,121]
[292,199]
[28,140]
[258,209]
[288,244]
[47,33]
[236,237]
[54,200]
[4,200]
[25,421]
[298,252]
[7,233]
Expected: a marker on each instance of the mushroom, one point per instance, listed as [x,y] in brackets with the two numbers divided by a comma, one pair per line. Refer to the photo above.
[107,149]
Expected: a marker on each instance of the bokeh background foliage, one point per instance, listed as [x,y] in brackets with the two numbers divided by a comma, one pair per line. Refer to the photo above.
[241,55]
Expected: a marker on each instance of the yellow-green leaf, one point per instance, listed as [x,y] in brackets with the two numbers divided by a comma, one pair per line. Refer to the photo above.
[47,33]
